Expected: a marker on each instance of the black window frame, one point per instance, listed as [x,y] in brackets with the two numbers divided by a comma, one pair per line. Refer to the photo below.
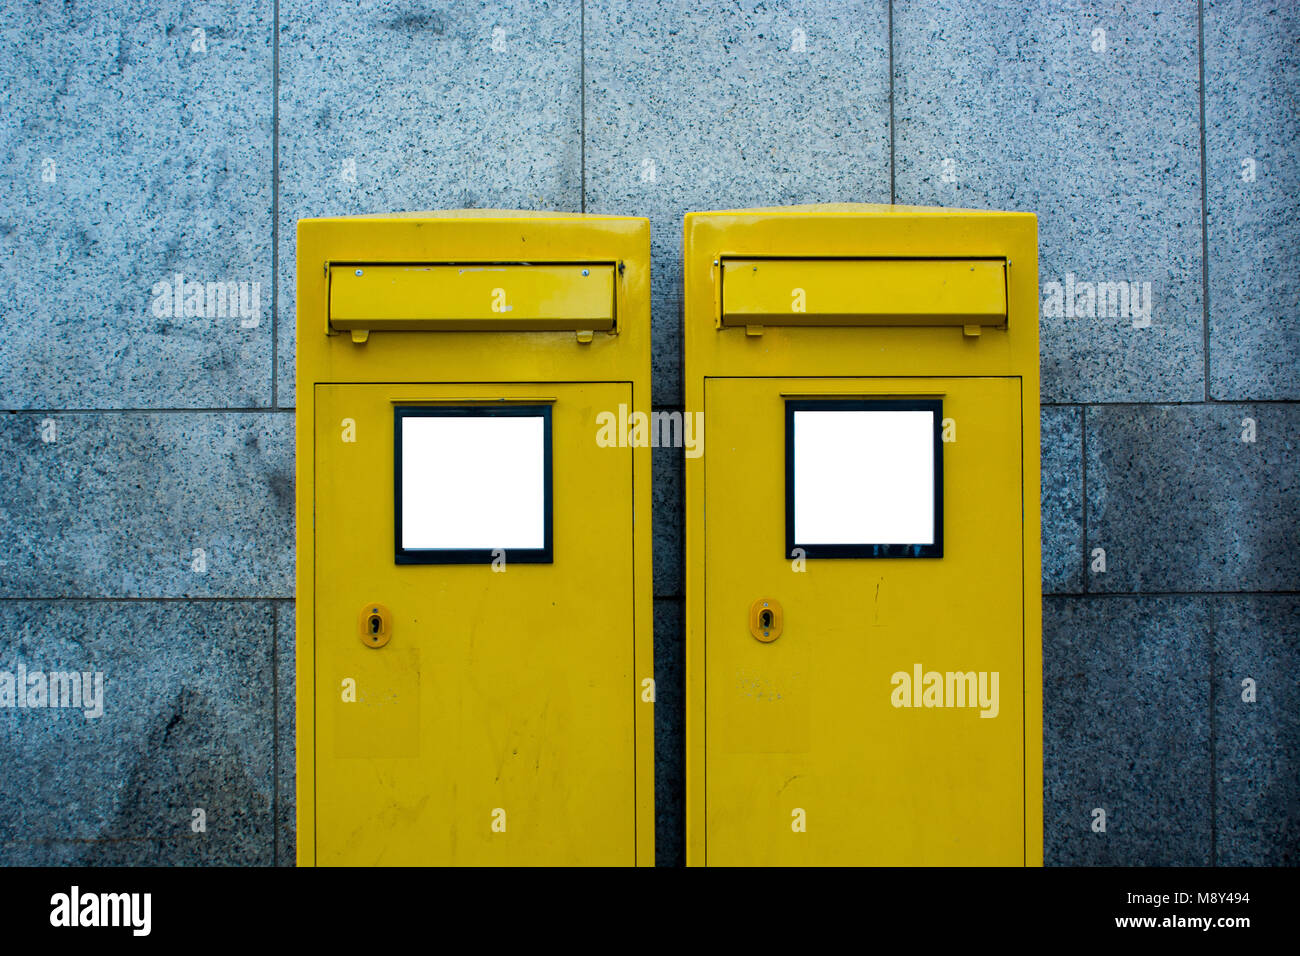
[879,550]
[542,555]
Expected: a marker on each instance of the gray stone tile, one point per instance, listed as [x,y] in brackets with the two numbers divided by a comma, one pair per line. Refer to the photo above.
[1126,703]
[468,105]
[666,377]
[1258,743]
[45,852]
[1180,503]
[712,105]
[120,504]
[670,732]
[669,530]
[1003,104]
[186,724]
[129,157]
[1252,85]
[286,825]
[1062,499]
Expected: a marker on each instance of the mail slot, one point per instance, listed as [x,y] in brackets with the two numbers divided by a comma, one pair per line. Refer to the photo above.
[862,538]
[864,292]
[474,602]
[471,297]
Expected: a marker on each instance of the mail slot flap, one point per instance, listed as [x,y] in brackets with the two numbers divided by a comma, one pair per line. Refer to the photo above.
[472,297]
[864,292]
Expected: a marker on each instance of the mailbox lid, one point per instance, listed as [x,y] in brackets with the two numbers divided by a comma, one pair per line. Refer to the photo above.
[864,292]
[488,297]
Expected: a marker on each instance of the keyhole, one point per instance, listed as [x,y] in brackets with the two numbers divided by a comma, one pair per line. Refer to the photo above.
[375,624]
[765,621]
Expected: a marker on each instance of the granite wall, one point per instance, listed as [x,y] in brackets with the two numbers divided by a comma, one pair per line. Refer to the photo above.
[146,525]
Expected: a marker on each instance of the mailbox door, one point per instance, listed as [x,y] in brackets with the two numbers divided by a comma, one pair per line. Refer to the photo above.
[495,723]
[815,753]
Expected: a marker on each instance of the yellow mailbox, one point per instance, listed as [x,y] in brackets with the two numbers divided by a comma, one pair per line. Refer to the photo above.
[862,537]
[473,594]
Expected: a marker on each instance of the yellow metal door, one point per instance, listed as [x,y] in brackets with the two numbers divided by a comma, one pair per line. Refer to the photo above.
[812,755]
[495,726]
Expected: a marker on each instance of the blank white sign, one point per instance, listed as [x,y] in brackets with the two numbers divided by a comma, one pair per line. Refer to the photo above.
[863,477]
[473,482]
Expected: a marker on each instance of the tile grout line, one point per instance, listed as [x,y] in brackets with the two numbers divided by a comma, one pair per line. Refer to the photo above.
[282,409]
[582,104]
[1205,346]
[1196,403]
[1172,594]
[1083,494]
[1205,219]
[158,599]
[275,208]
[289,599]
[147,411]
[890,5]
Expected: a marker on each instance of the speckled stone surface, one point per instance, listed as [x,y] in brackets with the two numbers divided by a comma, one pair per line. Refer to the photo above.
[1001,104]
[118,505]
[187,715]
[1258,746]
[670,732]
[162,162]
[124,164]
[722,105]
[1180,503]
[666,355]
[1060,441]
[389,106]
[1252,125]
[1126,729]
[669,521]
[286,845]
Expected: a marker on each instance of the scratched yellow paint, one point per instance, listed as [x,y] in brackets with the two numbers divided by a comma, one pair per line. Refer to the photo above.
[812,749]
[504,721]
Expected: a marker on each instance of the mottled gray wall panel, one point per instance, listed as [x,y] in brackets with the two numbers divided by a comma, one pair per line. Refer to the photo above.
[133,149]
[1252,124]
[669,533]
[390,107]
[666,355]
[1008,105]
[122,504]
[1257,639]
[186,724]
[1179,502]
[1126,729]
[1062,499]
[286,777]
[670,732]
